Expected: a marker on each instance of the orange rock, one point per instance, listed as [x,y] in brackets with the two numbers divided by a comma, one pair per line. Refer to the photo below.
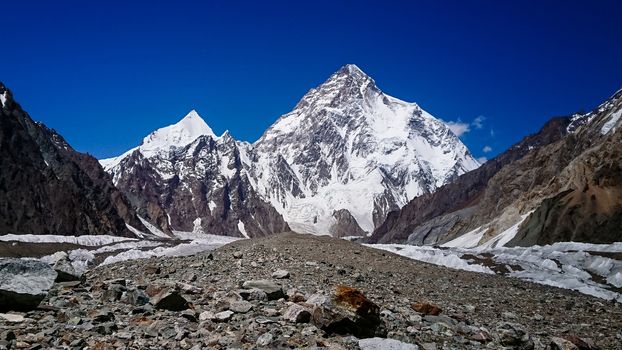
[426,308]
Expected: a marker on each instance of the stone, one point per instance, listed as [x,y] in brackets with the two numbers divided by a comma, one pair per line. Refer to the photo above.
[385,344]
[280,274]
[562,344]
[426,308]
[273,291]
[253,294]
[240,306]
[135,297]
[169,299]
[188,288]
[264,339]
[295,296]
[102,315]
[189,315]
[515,336]
[65,270]
[24,283]
[581,344]
[223,316]
[297,314]
[206,315]
[346,311]
[12,318]
[237,255]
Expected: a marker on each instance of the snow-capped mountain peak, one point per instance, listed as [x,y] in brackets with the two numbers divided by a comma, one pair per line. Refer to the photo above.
[168,138]
[338,163]
[348,150]
[177,135]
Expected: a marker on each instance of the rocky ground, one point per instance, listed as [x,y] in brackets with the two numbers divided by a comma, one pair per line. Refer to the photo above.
[298,291]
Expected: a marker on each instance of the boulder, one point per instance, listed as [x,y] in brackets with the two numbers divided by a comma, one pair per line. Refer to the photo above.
[426,308]
[280,274]
[273,291]
[24,283]
[346,311]
[169,299]
[514,336]
[297,314]
[65,270]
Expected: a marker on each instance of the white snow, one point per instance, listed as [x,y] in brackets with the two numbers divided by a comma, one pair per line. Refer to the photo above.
[242,229]
[373,140]
[152,228]
[3,98]
[442,257]
[205,243]
[468,240]
[565,265]
[611,123]
[94,240]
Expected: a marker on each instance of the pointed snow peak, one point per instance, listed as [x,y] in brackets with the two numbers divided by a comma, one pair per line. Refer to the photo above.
[351,71]
[177,135]
[193,124]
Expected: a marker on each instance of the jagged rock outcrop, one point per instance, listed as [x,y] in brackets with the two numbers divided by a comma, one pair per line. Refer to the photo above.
[46,187]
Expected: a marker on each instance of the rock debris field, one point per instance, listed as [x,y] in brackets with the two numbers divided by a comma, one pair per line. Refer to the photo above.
[295,291]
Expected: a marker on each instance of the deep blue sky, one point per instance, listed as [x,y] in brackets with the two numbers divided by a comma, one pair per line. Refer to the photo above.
[106,75]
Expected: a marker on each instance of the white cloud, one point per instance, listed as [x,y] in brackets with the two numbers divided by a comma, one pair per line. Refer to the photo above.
[458,127]
[487,149]
[482,160]
[492,133]
[478,122]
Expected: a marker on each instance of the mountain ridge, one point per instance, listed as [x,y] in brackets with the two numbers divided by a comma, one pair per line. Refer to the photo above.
[344,142]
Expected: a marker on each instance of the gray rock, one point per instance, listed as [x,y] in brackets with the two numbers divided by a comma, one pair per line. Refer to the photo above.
[514,336]
[265,339]
[189,289]
[297,314]
[280,274]
[240,307]
[224,316]
[253,294]
[24,283]
[273,291]
[65,270]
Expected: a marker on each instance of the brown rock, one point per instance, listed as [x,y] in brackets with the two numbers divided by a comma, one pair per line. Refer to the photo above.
[346,311]
[426,308]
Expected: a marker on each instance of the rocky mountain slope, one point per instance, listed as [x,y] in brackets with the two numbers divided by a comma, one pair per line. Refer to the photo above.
[302,291]
[563,182]
[347,155]
[195,180]
[46,187]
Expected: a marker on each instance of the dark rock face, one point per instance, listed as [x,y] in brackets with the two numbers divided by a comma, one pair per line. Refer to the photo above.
[199,187]
[46,187]
[24,283]
[589,210]
[465,192]
[346,225]
[571,180]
